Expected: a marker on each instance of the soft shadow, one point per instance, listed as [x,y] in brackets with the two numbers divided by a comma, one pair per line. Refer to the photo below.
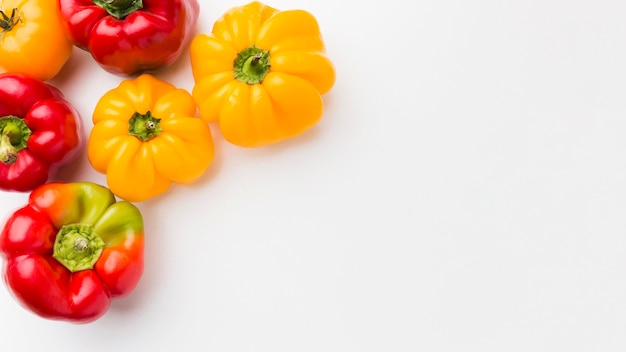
[77,62]
[216,163]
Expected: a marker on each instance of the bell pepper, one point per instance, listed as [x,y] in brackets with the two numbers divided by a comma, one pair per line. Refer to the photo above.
[32,40]
[146,136]
[260,73]
[71,250]
[127,37]
[40,131]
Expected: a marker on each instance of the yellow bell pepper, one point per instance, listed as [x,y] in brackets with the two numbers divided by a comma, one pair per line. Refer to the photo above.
[32,39]
[261,74]
[146,136]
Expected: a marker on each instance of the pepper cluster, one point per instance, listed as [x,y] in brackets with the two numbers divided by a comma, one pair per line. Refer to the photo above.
[259,76]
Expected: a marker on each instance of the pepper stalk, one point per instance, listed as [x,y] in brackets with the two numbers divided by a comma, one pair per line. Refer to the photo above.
[77,247]
[14,136]
[119,8]
[252,65]
[144,126]
[8,22]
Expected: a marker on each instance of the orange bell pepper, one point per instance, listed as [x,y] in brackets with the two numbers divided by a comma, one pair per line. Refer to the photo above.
[146,137]
[32,40]
[261,74]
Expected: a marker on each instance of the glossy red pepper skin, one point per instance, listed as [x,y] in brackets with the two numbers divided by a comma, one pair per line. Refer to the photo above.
[56,129]
[147,39]
[45,284]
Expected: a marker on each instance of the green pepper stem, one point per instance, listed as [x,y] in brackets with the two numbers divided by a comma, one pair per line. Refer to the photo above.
[252,65]
[8,155]
[144,126]
[119,8]
[14,136]
[77,247]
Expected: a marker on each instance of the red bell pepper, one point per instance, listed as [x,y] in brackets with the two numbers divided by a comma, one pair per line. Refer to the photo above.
[71,250]
[127,37]
[39,132]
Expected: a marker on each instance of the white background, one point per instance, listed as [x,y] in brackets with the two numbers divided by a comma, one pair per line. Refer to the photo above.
[465,191]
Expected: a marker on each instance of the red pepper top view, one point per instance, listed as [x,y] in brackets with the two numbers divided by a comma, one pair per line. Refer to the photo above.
[39,132]
[72,250]
[128,37]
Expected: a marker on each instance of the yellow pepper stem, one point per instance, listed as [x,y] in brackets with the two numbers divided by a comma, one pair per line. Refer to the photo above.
[252,65]
[144,126]
[8,22]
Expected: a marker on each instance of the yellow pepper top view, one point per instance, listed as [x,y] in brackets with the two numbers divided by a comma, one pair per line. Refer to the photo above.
[146,136]
[261,74]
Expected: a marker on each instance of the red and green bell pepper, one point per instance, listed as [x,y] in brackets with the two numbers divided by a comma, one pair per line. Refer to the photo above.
[127,37]
[39,132]
[71,250]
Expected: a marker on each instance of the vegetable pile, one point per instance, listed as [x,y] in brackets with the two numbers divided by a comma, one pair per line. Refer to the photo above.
[259,79]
